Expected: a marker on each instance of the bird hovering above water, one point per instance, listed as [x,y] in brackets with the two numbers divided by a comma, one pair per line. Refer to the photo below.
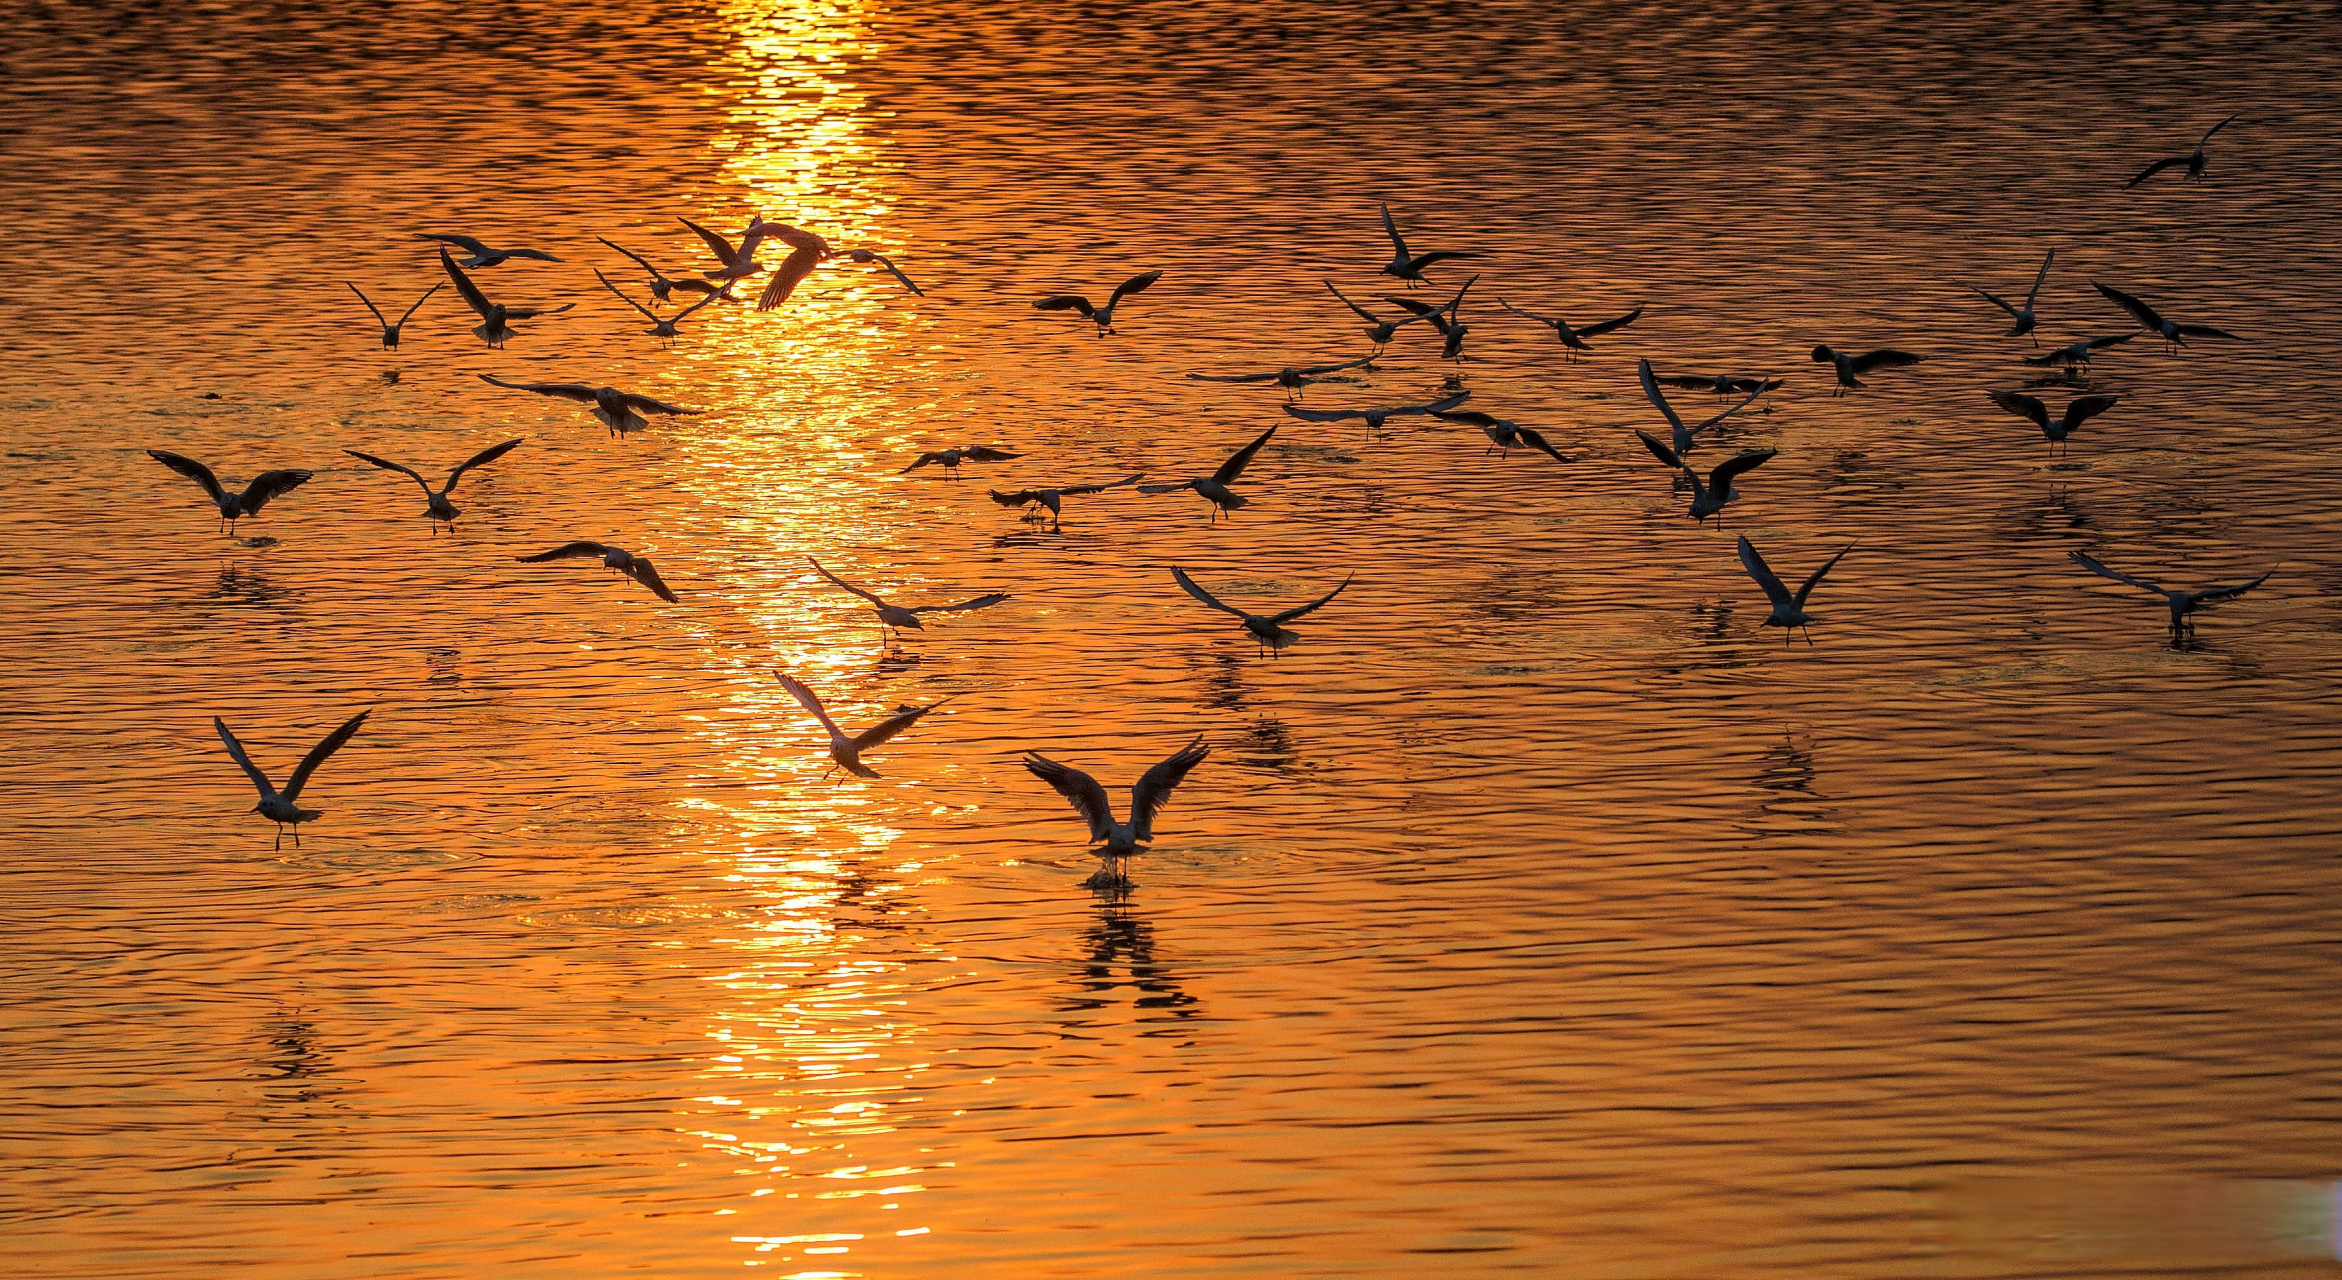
[737,264]
[1447,319]
[662,328]
[1292,379]
[809,251]
[846,752]
[1407,266]
[661,286]
[1103,317]
[277,806]
[2078,410]
[1573,340]
[895,617]
[437,508]
[390,331]
[1708,497]
[1214,487]
[950,459]
[615,559]
[233,506]
[2022,315]
[483,256]
[493,328]
[1850,365]
[2183,604]
[1378,331]
[1502,435]
[1723,384]
[1054,498]
[1268,630]
[2194,160]
[2174,334]
[1374,418]
[1788,608]
[620,411]
[2076,355]
[1684,437]
[1118,840]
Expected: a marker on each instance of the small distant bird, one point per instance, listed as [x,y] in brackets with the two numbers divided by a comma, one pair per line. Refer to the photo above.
[1054,498]
[1788,610]
[2022,315]
[277,806]
[1374,418]
[2078,410]
[662,327]
[2182,603]
[2076,355]
[1684,437]
[1723,384]
[1407,266]
[615,559]
[620,411]
[1378,330]
[2173,333]
[737,263]
[895,617]
[389,330]
[1849,365]
[2194,160]
[950,459]
[1448,319]
[1270,630]
[847,752]
[1708,497]
[437,508]
[1573,340]
[1102,316]
[1119,840]
[233,506]
[483,256]
[868,256]
[1502,435]
[1291,378]
[493,328]
[1214,487]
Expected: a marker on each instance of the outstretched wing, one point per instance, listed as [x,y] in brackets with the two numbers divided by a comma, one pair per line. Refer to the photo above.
[317,754]
[1313,606]
[1136,284]
[1687,382]
[643,572]
[537,254]
[191,469]
[1089,799]
[2083,408]
[647,313]
[1237,377]
[892,725]
[873,255]
[387,465]
[1545,320]
[2203,331]
[713,295]
[2124,578]
[2155,168]
[577,391]
[1442,405]
[1363,314]
[1469,417]
[267,485]
[1166,488]
[531,313]
[1884,358]
[567,551]
[1531,437]
[840,583]
[1441,256]
[1021,497]
[1187,584]
[639,260]
[1099,488]
[1657,398]
[964,606]
[921,461]
[2140,311]
[465,243]
[1417,306]
[1066,302]
[987,453]
[2035,295]
[1754,561]
[1322,415]
[1241,459]
[418,303]
[2211,594]
[2214,129]
[1720,480]
[1392,229]
[1821,573]
[1659,449]
[243,761]
[371,307]
[1993,298]
[477,300]
[2027,407]
[805,698]
[1314,369]
[1752,399]
[805,253]
[644,404]
[480,459]
[1153,789]
[1600,327]
[716,244]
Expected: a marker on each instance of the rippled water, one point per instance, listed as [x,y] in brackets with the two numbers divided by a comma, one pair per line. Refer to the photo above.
[1537,913]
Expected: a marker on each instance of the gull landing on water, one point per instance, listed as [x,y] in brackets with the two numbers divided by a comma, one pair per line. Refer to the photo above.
[1214,487]
[2183,604]
[950,459]
[437,508]
[1118,840]
[615,559]
[2022,315]
[846,752]
[1709,497]
[895,617]
[2174,334]
[390,331]
[2075,356]
[662,328]
[1269,630]
[233,506]
[483,256]
[620,411]
[2078,410]
[1054,498]
[1502,435]
[1573,340]
[1291,378]
[1849,365]
[1788,608]
[1407,266]
[2194,160]
[1103,316]
[278,806]
[493,328]
[1376,417]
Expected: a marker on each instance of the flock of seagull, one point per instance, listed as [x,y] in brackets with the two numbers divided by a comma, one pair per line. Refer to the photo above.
[622,412]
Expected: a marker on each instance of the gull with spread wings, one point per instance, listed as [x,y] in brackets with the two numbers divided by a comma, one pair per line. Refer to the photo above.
[1374,418]
[1053,498]
[737,264]
[1502,435]
[662,327]
[2075,356]
[1788,607]
[1409,266]
[1683,437]
[846,752]
[437,509]
[615,559]
[1103,316]
[1848,365]
[390,331]
[2022,315]
[482,255]
[1268,630]
[896,618]
[233,506]
[1293,377]
[1447,318]
[2194,160]
[620,411]
[1708,497]
[1214,487]
[950,459]
[2183,604]
[1723,384]
[2078,410]
[808,251]
[1573,339]
[2173,333]
[494,326]
[281,807]
[1378,330]
[1118,840]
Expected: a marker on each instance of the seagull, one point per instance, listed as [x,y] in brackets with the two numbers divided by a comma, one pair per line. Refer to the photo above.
[806,251]
[1503,435]
[278,806]
[483,256]
[1214,487]
[1723,384]
[2078,410]
[662,329]
[898,618]
[1788,610]
[2172,333]
[1572,340]
[1406,266]
[1291,378]
[1452,328]
[1708,498]
[626,562]
[1121,839]
[661,286]
[233,506]
[492,328]
[437,508]
[1270,630]
[1848,366]
[618,410]
[1053,498]
[952,458]
[845,751]
[2183,603]
[1683,436]
[1103,316]
[2075,355]
[737,263]
[1376,417]
[2022,315]
[1379,331]
[389,330]
[2194,160]
[868,256]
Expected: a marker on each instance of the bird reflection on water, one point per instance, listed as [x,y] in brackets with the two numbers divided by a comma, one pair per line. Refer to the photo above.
[1119,965]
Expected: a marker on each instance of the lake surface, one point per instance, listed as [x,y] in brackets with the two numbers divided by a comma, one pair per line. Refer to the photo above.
[1538,913]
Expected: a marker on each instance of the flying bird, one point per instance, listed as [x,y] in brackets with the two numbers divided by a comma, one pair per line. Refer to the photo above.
[1407,266]
[437,508]
[662,327]
[1708,497]
[2022,315]
[493,328]
[1054,498]
[806,251]
[483,256]
[1849,365]
[620,411]
[950,459]
[1378,330]
[2173,333]
[1502,435]
[1723,384]
[1270,630]
[737,263]
[1573,339]
[2182,603]
[661,286]
[389,330]
[1214,487]
[1788,609]
[895,617]
[280,807]
[1291,378]
[1374,418]
[845,751]
[1683,437]
[2078,410]
[1448,319]
[616,559]
[2076,355]
[2194,160]
[1118,840]
[233,506]
[1102,316]
[868,256]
